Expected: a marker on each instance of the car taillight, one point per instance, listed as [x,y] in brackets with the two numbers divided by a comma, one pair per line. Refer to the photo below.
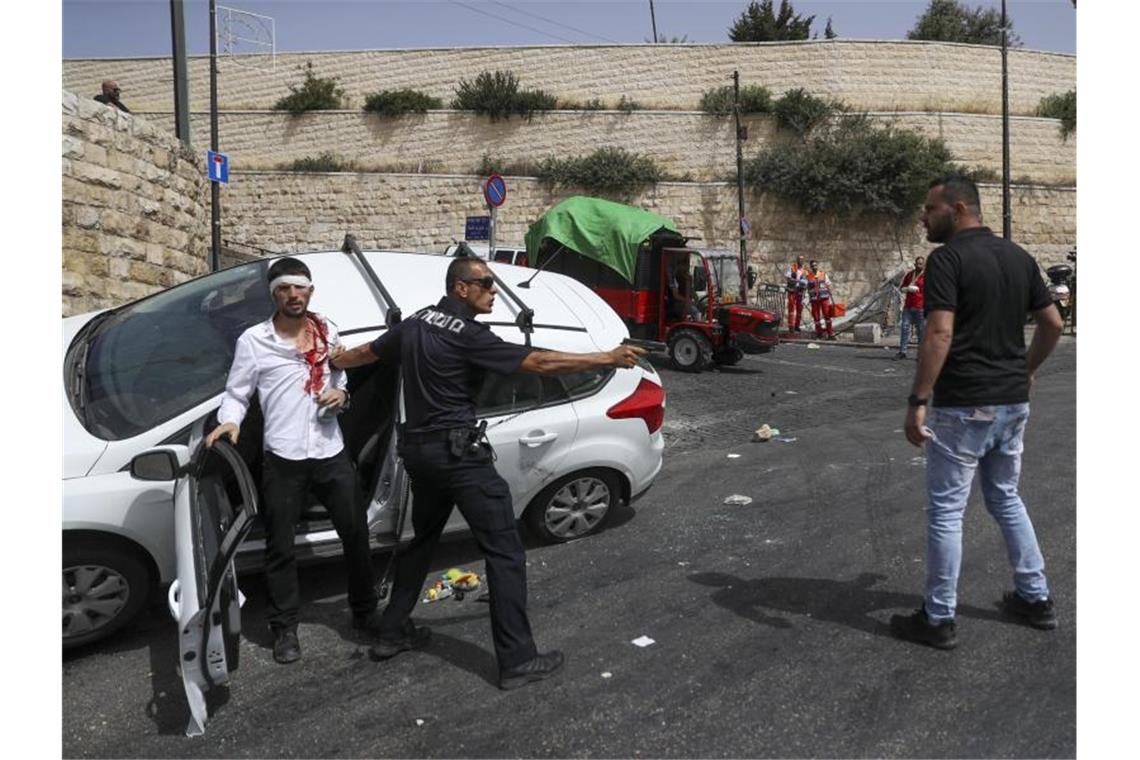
[647,403]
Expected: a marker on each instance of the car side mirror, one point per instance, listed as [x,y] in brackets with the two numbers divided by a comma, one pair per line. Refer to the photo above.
[751,276]
[154,466]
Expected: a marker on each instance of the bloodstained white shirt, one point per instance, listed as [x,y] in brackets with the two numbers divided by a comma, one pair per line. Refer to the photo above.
[277,370]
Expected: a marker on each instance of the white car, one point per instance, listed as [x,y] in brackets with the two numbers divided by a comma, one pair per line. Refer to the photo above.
[142,383]
[504,254]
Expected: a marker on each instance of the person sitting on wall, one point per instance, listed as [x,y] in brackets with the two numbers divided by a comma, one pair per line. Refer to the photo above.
[679,303]
[110,95]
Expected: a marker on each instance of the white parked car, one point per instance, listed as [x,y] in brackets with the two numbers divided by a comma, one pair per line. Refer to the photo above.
[145,505]
[504,254]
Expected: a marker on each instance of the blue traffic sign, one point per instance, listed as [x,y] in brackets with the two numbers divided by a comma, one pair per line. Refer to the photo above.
[495,191]
[478,228]
[218,167]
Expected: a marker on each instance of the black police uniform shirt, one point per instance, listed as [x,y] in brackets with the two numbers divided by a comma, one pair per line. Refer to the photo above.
[990,284]
[444,354]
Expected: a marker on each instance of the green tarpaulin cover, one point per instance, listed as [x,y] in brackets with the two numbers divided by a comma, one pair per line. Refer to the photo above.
[601,230]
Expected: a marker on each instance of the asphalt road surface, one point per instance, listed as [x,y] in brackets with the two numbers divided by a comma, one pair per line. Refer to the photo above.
[769,620]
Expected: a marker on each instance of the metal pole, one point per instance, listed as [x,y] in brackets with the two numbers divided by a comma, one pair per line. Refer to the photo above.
[181,88]
[740,187]
[491,234]
[1006,212]
[215,200]
[653,20]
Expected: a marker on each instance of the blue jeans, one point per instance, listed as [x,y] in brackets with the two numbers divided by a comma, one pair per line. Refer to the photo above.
[966,439]
[910,317]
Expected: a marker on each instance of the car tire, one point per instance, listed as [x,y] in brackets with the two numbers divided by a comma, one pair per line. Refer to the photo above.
[573,506]
[105,585]
[689,350]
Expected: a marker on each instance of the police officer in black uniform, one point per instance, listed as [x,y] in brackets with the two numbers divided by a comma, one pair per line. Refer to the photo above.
[443,352]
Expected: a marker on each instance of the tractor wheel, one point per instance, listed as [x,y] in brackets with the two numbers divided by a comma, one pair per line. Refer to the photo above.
[690,350]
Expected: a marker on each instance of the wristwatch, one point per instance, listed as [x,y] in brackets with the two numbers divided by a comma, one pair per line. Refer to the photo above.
[914,401]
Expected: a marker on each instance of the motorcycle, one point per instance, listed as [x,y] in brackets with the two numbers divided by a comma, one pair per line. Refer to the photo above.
[1063,286]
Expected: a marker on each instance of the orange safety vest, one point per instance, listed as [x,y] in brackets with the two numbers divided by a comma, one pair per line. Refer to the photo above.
[818,285]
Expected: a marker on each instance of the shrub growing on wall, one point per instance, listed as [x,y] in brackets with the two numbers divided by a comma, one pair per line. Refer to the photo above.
[399,102]
[753,99]
[497,94]
[1063,107]
[313,94]
[608,171]
[326,162]
[852,167]
[801,112]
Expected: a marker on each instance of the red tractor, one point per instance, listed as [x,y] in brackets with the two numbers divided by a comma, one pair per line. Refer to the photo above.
[689,298]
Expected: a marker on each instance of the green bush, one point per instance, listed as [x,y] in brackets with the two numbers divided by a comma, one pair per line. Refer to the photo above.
[399,102]
[629,105]
[594,104]
[313,94]
[607,170]
[326,162]
[497,94]
[498,165]
[801,112]
[1063,107]
[851,168]
[753,99]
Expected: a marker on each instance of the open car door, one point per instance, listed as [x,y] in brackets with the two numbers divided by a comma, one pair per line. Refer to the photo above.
[215,502]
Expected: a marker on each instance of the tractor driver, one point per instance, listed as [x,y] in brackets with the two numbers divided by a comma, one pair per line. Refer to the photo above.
[679,302]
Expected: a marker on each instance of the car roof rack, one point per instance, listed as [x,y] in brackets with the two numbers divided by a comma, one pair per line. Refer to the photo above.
[393,315]
[525,319]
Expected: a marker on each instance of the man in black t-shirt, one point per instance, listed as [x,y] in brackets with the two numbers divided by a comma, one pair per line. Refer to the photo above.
[442,352]
[979,288]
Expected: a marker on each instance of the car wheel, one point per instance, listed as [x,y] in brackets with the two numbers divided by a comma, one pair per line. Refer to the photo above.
[104,587]
[573,506]
[689,350]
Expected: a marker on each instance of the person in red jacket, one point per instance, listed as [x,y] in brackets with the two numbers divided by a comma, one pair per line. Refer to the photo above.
[795,278]
[819,290]
[913,287]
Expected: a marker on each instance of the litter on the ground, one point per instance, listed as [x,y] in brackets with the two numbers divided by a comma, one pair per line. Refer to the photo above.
[607,674]
[643,641]
[419,721]
[792,393]
[787,440]
[734,456]
[813,345]
[738,500]
[683,564]
[765,433]
[454,582]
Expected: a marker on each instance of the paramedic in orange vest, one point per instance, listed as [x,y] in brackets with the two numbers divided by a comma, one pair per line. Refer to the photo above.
[913,286]
[796,283]
[819,290]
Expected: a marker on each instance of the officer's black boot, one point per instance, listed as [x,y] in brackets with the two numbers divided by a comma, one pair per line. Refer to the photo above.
[536,669]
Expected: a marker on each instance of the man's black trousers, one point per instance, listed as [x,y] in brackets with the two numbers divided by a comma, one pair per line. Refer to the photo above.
[286,485]
[441,480]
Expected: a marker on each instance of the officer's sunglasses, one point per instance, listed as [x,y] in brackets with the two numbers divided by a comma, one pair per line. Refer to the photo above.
[486,283]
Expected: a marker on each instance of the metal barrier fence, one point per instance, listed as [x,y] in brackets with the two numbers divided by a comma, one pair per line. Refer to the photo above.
[772,298]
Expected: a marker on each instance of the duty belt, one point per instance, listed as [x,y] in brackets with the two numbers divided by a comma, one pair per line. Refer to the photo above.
[431,436]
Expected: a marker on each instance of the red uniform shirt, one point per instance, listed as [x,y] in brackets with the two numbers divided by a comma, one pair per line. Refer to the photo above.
[914,300]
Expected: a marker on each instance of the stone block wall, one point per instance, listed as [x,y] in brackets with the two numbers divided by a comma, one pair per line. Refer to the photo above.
[868,74]
[683,142]
[135,208]
[286,213]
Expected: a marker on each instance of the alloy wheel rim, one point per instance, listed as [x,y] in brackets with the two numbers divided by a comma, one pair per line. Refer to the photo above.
[686,351]
[577,507]
[93,596]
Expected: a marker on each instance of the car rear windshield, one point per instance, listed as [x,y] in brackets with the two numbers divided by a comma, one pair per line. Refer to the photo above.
[151,360]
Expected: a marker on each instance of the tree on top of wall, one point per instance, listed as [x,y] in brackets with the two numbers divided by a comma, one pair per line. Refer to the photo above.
[760,23]
[950,21]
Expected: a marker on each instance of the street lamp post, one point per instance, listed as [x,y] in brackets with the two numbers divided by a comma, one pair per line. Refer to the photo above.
[1006,212]
[215,198]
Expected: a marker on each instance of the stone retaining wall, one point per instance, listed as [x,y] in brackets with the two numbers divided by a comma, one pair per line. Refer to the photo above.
[868,74]
[682,142]
[135,208]
[287,212]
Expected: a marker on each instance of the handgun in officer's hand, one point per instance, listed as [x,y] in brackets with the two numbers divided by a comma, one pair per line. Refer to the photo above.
[648,345]
[627,356]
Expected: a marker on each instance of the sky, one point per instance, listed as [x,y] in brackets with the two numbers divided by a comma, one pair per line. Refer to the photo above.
[129,28]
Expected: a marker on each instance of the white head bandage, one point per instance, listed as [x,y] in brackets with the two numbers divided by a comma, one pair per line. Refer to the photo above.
[290,279]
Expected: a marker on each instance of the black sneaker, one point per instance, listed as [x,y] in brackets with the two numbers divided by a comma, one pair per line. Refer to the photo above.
[536,669]
[414,637]
[1038,614]
[918,628]
[286,648]
[369,622]
[900,355]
